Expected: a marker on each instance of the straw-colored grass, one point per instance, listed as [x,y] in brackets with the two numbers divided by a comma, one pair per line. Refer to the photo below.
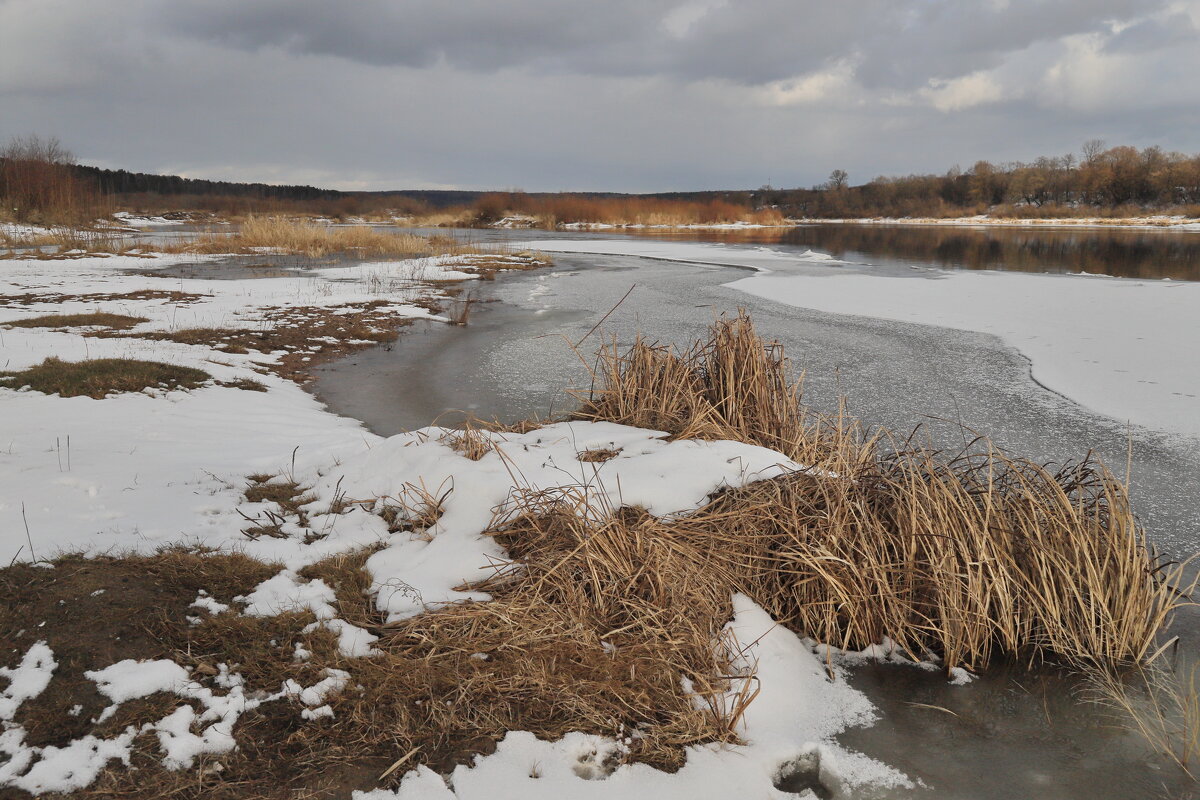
[301,237]
[966,556]
[63,242]
[1160,703]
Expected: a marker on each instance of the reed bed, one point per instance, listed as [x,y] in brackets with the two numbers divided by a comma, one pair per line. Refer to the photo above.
[301,237]
[67,242]
[964,556]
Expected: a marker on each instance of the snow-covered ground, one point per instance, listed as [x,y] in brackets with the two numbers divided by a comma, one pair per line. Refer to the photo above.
[1123,347]
[132,472]
[18,230]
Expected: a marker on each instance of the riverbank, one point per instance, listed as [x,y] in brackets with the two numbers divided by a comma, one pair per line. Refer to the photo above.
[1148,221]
[352,544]
[283,548]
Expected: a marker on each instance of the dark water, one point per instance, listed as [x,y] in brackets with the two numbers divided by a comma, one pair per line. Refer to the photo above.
[1149,253]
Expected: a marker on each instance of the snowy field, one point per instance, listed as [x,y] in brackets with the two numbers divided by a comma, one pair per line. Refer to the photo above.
[1122,347]
[134,472]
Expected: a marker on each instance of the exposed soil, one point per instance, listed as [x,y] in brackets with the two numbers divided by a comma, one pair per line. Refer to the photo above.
[33,298]
[306,336]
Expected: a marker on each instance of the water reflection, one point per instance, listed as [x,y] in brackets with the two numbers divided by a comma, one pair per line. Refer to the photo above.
[1120,252]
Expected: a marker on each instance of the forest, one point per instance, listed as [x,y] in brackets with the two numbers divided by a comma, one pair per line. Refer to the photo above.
[41,182]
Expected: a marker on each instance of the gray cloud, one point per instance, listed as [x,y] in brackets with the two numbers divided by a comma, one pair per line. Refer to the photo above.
[748,41]
[623,95]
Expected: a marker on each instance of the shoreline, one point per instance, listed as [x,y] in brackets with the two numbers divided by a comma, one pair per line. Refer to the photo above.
[1148,222]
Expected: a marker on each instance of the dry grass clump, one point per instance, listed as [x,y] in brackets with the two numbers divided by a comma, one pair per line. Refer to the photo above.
[100,377]
[592,629]
[316,240]
[969,558]
[470,441]
[598,455]
[966,557]
[734,386]
[96,319]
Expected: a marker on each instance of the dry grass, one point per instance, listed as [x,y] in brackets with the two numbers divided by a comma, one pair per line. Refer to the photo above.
[595,635]
[733,386]
[598,455]
[559,209]
[968,556]
[1160,703]
[470,441]
[38,298]
[97,319]
[306,335]
[103,376]
[290,235]
[68,242]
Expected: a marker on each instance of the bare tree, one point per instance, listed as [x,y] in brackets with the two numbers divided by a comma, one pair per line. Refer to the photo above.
[838,179]
[1092,149]
[37,181]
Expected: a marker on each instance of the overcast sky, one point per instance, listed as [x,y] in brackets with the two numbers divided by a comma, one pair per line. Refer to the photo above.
[624,95]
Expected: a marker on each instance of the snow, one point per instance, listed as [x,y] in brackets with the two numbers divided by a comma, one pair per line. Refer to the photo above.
[17,230]
[312,696]
[130,679]
[286,592]
[183,735]
[149,220]
[27,680]
[59,769]
[1122,347]
[695,226]
[209,604]
[353,641]
[756,258]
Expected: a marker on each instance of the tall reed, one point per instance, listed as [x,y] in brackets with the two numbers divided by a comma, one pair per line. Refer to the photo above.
[965,555]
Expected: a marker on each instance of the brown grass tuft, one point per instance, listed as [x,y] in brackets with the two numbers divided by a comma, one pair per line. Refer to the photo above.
[734,386]
[103,376]
[97,319]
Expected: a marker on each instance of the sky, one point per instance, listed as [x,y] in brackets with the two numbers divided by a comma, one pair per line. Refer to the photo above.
[611,95]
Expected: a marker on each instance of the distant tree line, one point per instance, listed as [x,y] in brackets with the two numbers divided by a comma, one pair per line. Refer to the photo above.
[1105,181]
[121,182]
[41,182]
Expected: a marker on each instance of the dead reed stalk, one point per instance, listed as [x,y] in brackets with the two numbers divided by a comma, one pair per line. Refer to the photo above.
[965,556]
